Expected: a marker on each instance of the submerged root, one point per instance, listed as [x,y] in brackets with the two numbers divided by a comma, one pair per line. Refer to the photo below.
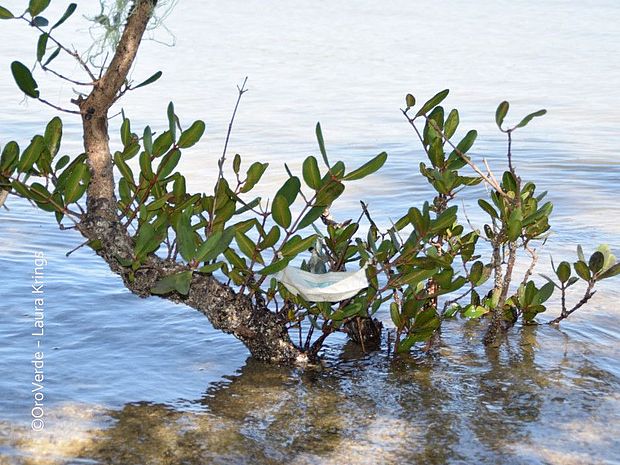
[365,331]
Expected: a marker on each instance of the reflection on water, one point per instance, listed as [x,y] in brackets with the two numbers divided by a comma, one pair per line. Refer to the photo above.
[536,400]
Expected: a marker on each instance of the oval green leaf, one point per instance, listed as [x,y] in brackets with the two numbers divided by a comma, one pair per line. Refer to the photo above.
[191,135]
[311,173]
[280,211]
[24,79]
[367,168]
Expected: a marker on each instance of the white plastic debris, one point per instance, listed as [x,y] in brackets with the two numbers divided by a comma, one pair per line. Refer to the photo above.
[325,287]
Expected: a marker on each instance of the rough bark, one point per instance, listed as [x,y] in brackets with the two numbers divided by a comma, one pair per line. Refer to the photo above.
[259,329]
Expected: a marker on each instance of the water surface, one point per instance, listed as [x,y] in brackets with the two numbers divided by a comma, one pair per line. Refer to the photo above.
[146,381]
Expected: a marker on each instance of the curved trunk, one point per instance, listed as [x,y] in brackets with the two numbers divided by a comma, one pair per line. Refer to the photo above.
[259,329]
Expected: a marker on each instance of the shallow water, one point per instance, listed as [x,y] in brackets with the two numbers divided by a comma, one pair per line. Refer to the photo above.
[146,381]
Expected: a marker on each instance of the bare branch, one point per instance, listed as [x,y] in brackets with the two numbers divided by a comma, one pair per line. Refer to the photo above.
[56,107]
[73,53]
[586,297]
[61,76]
[491,181]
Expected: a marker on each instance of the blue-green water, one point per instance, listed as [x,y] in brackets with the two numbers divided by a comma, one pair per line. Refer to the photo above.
[146,381]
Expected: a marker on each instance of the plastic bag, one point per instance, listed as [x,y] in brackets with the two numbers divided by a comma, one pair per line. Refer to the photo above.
[333,286]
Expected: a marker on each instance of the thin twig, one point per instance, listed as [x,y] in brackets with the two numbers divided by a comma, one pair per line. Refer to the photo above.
[61,76]
[73,53]
[509,154]
[242,90]
[492,182]
[587,296]
[77,248]
[534,254]
[56,107]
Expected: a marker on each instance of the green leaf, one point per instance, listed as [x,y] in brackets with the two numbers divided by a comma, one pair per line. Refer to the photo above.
[290,189]
[445,219]
[509,182]
[248,247]
[179,282]
[126,136]
[275,267]
[39,22]
[150,80]
[191,135]
[73,189]
[9,157]
[123,167]
[500,113]
[53,135]
[425,325]
[68,12]
[311,173]
[395,314]
[410,101]
[329,192]
[270,238]
[529,118]
[467,142]
[319,138]
[451,124]
[208,245]
[475,311]
[248,206]
[155,204]
[433,102]
[545,292]
[147,140]
[367,168]
[42,196]
[21,189]
[280,211]
[236,163]
[208,269]
[5,14]
[610,259]
[31,154]
[597,260]
[37,6]
[313,214]
[162,143]
[216,244]
[185,235]
[235,260]
[41,46]
[418,221]
[610,272]
[515,228]
[296,245]
[144,238]
[24,79]
[582,270]
[145,166]
[580,254]
[172,120]
[411,278]
[254,173]
[337,171]
[487,207]
[551,280]
[563,272]
[168,163]
[51,57]
[347,312]
[475,272]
